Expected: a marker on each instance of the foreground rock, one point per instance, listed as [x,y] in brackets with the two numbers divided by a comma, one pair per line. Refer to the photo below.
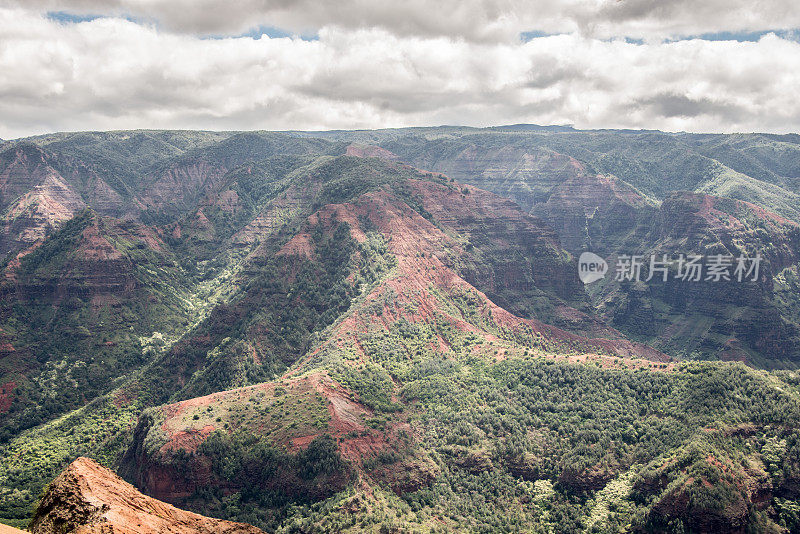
[4,529]
[88,498]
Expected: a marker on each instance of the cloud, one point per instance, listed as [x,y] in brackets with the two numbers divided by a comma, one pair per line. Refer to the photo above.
[114,73]
[472,20]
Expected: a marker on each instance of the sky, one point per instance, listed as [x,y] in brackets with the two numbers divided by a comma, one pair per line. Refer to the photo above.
[674,65]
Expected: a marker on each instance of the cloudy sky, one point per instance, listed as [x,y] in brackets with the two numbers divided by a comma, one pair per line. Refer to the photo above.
[716,65]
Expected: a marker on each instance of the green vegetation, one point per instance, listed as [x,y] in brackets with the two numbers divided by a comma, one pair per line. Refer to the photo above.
[272,309]
[247,258]
[593,436]
[269,481]
[640,206]
[82,331]
[101,429]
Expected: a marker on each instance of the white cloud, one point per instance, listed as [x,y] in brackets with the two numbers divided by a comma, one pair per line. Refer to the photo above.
[478,20]
[111,73]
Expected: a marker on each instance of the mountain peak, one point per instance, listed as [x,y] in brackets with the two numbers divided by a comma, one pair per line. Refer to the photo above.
[89,498]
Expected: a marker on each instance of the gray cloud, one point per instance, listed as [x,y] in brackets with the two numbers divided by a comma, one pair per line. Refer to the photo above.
[111,73]
[475,20]
[670,105]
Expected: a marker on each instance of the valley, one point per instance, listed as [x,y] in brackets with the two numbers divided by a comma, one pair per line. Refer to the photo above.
[385,331]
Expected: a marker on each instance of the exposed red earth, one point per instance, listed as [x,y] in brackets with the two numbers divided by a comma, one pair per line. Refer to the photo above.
[425,252]
[90,499]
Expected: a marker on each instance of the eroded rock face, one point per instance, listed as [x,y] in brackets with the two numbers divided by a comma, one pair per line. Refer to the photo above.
[743,311]
[91,265]
[527,175]
[596,212]
[34,197]
[520,252]
[88,498]
[586,479]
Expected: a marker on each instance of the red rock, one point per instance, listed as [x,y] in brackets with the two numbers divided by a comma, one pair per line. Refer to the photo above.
[87,498]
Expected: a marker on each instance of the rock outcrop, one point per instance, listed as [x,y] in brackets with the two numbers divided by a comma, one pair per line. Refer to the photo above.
[4,529]
[88,498]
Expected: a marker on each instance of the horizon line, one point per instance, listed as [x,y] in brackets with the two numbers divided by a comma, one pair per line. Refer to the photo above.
[519,127]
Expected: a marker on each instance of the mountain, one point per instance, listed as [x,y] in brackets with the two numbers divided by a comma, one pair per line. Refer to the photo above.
[148,176]
[77,310]
[754,167]
[387,331]
[34,197]
[614,193]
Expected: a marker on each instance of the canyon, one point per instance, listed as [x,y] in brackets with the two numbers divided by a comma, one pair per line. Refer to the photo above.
[385,330]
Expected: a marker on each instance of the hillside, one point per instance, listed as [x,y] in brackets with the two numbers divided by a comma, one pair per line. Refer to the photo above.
[386,331]
[615,193]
